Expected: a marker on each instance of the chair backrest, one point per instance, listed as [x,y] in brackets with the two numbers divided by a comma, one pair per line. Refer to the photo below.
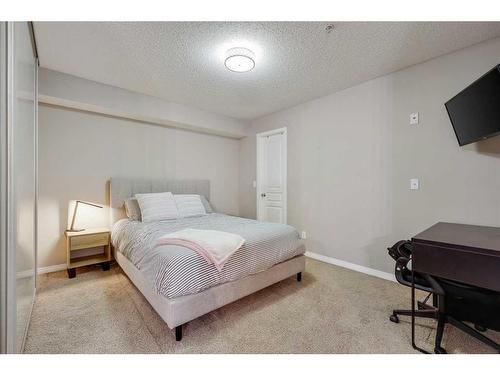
[401,252]
[401,249]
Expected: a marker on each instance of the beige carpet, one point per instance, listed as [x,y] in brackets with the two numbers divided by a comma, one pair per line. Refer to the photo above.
[333,310]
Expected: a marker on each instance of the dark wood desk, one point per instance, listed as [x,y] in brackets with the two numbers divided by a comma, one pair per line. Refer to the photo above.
[468,254]
[465,253]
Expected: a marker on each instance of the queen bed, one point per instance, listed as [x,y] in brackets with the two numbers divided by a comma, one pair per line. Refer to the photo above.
[178,282]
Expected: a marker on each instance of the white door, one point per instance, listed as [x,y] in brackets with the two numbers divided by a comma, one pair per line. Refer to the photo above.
[271,176]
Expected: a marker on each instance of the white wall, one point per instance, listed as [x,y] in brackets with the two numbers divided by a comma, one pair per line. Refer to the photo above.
[80,151]
[351,156]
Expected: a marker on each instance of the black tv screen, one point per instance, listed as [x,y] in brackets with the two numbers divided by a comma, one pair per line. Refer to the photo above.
[475,111]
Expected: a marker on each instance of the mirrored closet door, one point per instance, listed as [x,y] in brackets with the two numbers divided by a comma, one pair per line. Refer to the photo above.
[18,181]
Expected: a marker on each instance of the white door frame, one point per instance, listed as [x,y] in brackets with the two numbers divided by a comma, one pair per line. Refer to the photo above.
[260,161]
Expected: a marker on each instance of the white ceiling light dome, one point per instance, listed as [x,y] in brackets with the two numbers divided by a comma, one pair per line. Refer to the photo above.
[239,60]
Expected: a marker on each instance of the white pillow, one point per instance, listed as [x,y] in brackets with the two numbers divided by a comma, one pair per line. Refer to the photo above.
[189,205]
[208,207]
[157,206]
[132,209]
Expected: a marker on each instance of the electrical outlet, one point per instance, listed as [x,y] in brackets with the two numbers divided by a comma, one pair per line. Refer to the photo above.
[414,184]
[414,118]
[303,235]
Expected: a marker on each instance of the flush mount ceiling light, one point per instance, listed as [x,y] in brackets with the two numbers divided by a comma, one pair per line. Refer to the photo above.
[239,60]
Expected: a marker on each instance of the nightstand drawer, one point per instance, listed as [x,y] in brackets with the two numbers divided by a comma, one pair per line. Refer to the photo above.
[89,240]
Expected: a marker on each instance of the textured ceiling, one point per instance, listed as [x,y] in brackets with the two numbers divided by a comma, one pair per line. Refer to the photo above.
[295,62]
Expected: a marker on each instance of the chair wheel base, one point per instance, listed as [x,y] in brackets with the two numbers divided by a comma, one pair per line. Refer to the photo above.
[394,318]
[440,350]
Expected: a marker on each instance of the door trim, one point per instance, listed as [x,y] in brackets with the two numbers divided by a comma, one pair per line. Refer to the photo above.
[259,163]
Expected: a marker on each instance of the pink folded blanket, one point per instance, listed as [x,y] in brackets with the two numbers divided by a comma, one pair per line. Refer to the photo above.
[214,246]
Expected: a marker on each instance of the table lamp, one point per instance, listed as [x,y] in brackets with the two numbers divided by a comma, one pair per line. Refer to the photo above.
[72,229]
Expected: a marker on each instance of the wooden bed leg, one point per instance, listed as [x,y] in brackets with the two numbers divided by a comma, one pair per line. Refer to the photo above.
[178,333]
[299,277]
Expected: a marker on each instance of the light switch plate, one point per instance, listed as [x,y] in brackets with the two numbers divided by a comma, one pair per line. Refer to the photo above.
[303,235]
[414,184]
[414,118]
[254,184]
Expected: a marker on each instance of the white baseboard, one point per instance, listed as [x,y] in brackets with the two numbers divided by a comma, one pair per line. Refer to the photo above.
[24,274]
[322,258]
[48,269]
[53,268]
[352,266]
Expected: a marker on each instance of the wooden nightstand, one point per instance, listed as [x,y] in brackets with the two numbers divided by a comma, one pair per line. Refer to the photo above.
[87,239]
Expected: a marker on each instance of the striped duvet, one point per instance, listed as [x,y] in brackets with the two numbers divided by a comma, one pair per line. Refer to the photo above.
[176,271]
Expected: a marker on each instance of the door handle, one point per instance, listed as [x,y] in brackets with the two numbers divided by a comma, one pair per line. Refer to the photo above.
[263,195]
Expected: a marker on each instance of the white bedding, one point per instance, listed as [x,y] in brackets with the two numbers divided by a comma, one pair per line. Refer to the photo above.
[177,271]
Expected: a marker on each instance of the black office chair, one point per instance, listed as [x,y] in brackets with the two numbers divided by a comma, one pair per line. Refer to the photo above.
[401,253]
[459,303]
[454,303]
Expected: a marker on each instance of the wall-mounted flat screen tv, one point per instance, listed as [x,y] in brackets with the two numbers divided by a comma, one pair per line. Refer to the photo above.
[475,111]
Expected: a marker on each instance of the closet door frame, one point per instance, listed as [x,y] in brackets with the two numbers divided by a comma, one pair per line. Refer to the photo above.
[11,308]
[3,187]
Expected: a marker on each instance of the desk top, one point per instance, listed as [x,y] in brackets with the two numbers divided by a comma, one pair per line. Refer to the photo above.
[479,238]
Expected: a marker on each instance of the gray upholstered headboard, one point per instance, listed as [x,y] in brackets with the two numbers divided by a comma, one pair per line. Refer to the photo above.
[123,188]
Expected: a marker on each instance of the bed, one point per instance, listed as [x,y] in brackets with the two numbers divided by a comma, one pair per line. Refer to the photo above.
[178,282]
